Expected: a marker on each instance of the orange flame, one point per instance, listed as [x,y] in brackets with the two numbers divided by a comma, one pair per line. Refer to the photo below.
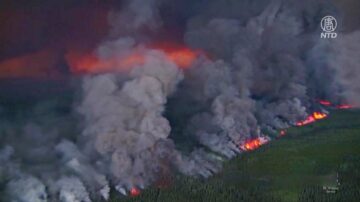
[312,118]
[253,144]
[340,106]
[134,191]
[319,115]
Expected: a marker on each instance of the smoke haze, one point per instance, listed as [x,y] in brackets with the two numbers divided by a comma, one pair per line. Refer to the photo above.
[159,86]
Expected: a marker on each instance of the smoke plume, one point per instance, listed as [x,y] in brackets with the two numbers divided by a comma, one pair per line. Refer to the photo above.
[140,109]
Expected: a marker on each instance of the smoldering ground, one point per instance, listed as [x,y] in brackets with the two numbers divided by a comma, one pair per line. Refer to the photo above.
[135,111]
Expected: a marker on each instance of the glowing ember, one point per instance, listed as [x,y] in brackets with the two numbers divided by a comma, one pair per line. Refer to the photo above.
[282,132]
[325,102]
[312,118]
[344,107]
[329,104]
[254,143]
[134,191]
[308,120]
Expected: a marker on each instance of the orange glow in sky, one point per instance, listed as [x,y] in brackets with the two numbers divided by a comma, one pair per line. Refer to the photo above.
[182,56]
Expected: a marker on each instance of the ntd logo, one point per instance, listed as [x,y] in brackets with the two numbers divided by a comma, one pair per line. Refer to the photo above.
[328,25]
[325,35]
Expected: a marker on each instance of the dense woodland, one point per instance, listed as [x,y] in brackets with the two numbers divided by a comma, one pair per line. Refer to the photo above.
[289,169]
[188,189]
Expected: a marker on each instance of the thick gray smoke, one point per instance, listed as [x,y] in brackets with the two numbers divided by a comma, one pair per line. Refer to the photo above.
[264,66]
[336,73]
[124,122]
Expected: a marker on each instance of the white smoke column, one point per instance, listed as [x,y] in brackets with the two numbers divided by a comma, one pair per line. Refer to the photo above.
[124,122]
[26,188]
[78,164]
[262,53]
[72,189]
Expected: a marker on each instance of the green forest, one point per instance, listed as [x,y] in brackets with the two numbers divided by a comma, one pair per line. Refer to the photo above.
[295,167]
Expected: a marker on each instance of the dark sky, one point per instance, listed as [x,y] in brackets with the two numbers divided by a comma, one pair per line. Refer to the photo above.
[39,33]
[36,35]
[35,25]
[34,39]
[351,9]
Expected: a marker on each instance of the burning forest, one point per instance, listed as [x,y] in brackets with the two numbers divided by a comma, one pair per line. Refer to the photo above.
[132,90]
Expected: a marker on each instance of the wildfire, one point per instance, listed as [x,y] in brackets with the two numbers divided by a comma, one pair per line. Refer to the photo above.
[282,132]
[134,191]
[89,63]
[254,143]
[319,115]
[182,56]
[325,102]
[340,106]
[344,106]
[312,118]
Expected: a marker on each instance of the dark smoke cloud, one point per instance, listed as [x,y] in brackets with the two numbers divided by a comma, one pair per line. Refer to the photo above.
[264,65]
[339,68]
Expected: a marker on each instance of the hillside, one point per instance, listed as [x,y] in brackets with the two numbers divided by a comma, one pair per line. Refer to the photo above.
[292,168]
